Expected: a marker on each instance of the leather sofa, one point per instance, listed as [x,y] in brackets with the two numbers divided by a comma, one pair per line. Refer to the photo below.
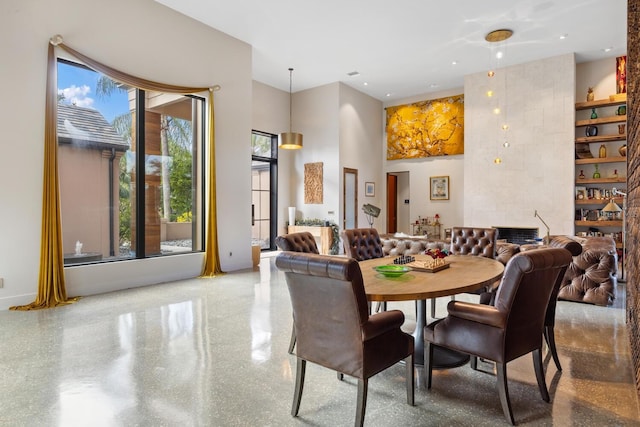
[592,275]
[396,244]
[590,278]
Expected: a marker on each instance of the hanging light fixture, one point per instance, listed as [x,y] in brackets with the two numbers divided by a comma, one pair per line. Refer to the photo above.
[290,140]
[495,37]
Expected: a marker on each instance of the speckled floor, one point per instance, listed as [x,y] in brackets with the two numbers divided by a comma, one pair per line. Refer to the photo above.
[213,352]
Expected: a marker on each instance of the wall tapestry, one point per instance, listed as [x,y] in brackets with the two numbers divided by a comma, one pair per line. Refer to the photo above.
[313,183]
[426,128]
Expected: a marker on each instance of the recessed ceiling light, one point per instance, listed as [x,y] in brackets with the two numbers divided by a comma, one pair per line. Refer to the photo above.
[353,74]
[388,94]
[434,85]
[454,62]
[365,83]
[607,49]
[564,36]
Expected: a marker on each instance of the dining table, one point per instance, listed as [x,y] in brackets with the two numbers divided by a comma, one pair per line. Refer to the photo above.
[464,273]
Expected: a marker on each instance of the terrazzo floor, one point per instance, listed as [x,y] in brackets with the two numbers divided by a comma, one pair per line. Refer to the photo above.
[213,352]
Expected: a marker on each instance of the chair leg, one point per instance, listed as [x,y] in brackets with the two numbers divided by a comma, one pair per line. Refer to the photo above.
[409,380]
[503,391]
[292,342]
[362,401]
[340,376]
[301,365]
[539,368]
[473,361]
[433,308]
[550,338]
[428,363]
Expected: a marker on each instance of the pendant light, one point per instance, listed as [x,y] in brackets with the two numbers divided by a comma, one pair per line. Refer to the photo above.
[290,140]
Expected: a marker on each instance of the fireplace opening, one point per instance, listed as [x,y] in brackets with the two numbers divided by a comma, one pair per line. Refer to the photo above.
[517,235]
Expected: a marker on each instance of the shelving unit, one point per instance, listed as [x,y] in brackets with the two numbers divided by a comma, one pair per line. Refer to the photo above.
[595,193]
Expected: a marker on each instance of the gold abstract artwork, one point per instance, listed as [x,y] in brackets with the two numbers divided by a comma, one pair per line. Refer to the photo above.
[313,183]
[426,128]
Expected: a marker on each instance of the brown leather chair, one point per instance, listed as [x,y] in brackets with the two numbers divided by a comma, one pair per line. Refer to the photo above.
[477,242]
[575,249]
[510,328]
[334,327]
[362,243]
[297,242]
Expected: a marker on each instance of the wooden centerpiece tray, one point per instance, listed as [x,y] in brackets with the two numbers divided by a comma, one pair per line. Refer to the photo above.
[428,266]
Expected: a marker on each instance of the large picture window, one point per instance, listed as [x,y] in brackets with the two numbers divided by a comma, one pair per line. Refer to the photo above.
[130,167]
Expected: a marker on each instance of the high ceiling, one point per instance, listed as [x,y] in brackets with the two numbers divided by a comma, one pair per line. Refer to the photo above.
[407,47]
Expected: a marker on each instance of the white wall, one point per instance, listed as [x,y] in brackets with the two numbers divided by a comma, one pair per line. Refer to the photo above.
[142,38]
[316,116]
[271,114]
[360,146]
[419,170]
[537,170]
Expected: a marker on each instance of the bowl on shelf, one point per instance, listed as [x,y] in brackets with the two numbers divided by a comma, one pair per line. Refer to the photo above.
[392,270]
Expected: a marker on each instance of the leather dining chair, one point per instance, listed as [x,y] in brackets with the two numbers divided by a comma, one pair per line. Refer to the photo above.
[550,317]
[297,242]
[476,242]
[334,327]
[362,244]
[510,328]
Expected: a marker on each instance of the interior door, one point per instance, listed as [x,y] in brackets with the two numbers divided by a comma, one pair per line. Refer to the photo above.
[392,203]
[350,198]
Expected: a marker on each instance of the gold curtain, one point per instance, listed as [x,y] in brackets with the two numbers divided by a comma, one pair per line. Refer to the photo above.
[51,286]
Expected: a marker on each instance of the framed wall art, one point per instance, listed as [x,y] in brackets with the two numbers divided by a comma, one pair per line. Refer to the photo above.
[439,188]
[370,189]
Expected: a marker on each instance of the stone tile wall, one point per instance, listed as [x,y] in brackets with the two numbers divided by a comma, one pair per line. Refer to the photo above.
[633,179]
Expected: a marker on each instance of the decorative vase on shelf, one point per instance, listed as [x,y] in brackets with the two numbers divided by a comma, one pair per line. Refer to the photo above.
[591,131]
[594,115]
[581,176]
[623,150]
[590,94]
[596,174]
[602,152]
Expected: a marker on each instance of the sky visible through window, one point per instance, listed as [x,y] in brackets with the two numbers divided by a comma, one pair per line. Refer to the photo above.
[79,87]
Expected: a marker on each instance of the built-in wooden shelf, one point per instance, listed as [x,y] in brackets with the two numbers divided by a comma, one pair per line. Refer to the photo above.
[602,120]
[603,138]
[595,160]
[598,103]
[601,180]
[603,202]
[599,223]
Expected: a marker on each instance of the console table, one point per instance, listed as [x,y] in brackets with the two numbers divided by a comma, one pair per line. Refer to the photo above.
[325,234]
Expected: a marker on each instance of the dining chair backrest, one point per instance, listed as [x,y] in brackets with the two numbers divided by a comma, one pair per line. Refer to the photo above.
[362,243]
[298,242]
[474,241]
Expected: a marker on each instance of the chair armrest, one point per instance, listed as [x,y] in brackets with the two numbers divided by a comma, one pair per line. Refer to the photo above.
[382,322]
[480,313]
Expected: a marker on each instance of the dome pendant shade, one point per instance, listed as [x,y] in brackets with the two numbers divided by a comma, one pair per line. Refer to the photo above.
[290,140]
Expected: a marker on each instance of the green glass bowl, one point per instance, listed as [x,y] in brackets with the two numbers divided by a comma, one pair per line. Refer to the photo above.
[392,270]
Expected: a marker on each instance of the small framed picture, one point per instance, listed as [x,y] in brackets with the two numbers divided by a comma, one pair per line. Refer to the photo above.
[581,193]
[439,186]
[370,189]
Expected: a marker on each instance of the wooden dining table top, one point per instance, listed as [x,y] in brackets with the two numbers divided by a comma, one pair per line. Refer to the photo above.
[466,273]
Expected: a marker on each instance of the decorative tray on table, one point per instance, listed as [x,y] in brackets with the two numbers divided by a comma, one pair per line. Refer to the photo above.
[430,266]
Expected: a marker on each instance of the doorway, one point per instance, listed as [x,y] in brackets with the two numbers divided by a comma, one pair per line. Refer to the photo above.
[398,202]
[350,198]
